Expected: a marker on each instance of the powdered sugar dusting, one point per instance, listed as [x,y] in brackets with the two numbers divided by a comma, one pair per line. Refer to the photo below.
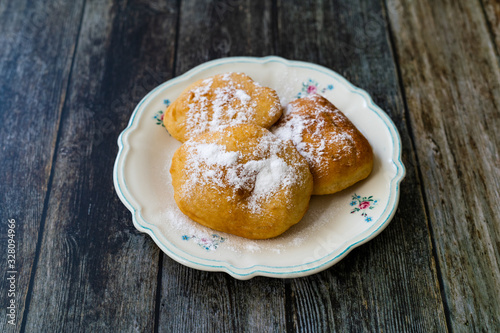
[211,165]
[183,225]
[298,124]
[213,108]
[211,154]
[179,221]
[243,96]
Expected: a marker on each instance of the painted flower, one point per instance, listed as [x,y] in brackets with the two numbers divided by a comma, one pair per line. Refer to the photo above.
[208,244]
[312,89]
[364,205]
[158,117]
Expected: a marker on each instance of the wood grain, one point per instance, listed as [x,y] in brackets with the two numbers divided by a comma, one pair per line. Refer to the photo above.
[96,273]
[71,74]
[451,77]
[492,12]
[390,283]
[216,29]
[37,47]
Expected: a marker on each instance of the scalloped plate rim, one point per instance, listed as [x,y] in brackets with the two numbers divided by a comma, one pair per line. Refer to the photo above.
[257,269]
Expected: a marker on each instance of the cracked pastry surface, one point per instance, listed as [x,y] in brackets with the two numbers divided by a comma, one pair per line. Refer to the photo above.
[220,101]
[242,180]
[337,153]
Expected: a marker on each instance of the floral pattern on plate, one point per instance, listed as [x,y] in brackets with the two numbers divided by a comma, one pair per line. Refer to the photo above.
[158,117]
[362,204]
[137,161]
[312,87]
[206,243]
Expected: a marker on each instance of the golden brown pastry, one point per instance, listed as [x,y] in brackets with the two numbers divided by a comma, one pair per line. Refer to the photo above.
[241,180]
[337,153]
[219,101]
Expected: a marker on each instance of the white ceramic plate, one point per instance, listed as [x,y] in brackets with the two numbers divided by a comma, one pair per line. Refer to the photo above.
[333,225]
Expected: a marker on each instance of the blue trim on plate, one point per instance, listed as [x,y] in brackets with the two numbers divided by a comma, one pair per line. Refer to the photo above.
[229,268]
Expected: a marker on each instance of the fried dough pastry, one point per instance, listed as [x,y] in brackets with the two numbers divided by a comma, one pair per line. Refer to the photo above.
[219,101]
[337,153]
[242,180]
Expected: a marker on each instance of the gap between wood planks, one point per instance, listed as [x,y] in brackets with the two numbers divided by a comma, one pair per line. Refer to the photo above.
[411,135]
[159,277]
[442,117]
[51,178]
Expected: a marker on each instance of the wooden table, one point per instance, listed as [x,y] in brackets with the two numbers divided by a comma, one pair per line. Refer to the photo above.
[71,73]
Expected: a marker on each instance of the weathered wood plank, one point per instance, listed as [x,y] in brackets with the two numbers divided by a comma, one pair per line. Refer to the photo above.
[96,273]
[492,12]
[452,84]
[216,29]
[36,50]
[389,284]
[194,301]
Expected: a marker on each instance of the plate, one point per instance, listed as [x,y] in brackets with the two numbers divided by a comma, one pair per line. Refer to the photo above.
[333,225]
